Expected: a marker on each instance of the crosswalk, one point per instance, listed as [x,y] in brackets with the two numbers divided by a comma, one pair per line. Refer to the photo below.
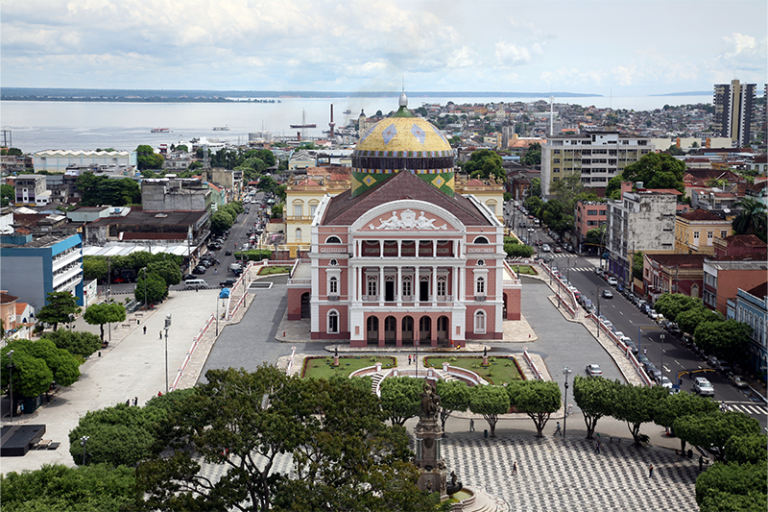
[750,408]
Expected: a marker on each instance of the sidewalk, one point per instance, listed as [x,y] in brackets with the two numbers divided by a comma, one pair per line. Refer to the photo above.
[132,366]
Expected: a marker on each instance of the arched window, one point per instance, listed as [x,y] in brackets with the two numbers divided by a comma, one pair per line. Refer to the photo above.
[333,240]
[298,234]
[298,208]
[333,286]
[480,286]
[372,288]
[491,206]
[480,263]
[480,321]
[481,240]
[333,321]
[313,207]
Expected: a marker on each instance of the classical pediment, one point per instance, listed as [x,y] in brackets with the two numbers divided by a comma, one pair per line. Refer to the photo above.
[408,220]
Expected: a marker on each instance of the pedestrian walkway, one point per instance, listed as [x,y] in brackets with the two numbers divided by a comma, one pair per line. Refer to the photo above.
[749,408]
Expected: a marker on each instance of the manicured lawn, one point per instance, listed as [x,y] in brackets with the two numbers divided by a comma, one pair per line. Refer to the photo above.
[524,269]
[265,271]
[498,371]
[322,367]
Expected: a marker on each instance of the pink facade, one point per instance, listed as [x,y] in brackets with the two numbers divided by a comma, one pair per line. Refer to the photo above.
[589,215]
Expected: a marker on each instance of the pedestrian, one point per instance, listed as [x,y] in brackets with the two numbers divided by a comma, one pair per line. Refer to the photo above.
[145,330]
[597,448]
[514,468]
[138,322]
[557,429]
[645,351]
[650,471]
[161,335]
[701,463]
[128,402]
[135,401]
[409,359]
[159,393]
[471,425]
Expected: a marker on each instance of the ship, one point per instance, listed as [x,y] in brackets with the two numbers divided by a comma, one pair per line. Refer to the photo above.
[161,130]
[303,122]
[347,112]
[221,128]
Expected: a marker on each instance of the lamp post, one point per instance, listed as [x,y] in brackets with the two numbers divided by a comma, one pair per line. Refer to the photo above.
[83,443]
[10,380]
[167,326]
[566,371]
[662,352]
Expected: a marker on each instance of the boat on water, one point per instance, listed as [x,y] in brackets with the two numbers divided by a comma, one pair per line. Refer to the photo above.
[303,126]
[221,128]
[161,130]
[347,111]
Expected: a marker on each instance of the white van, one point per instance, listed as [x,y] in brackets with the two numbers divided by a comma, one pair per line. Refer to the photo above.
[190,284]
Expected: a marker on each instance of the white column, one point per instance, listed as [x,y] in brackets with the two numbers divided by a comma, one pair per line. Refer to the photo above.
[360,279]
[381,248]
[358,248]
[434,248]
[455,281]
[462,284]
[416,289]
[434,286]
[399,248]
[381,286]
[399,285]
[353,283]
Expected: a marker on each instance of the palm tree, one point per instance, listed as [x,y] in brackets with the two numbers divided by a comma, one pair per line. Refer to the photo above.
[751,220]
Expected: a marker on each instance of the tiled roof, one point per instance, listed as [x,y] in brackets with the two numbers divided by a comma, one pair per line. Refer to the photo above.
[744,241]
[20,307]
[344,209]
[7,299]
[679,260]
[662,190]
[153,236]
[760,290]
[700,214]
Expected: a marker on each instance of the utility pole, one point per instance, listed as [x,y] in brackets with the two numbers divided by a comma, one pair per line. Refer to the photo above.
[566,371]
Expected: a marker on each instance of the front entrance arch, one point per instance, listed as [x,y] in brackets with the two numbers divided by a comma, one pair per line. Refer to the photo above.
[425,328]
[305,309]
[372,329]
[407,328]
[390,329]
[442,328]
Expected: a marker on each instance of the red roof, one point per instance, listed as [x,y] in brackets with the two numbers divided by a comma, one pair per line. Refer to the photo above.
[7,299]
[744,241]
[673,191]
[760,290]
[700,214]
[679,260]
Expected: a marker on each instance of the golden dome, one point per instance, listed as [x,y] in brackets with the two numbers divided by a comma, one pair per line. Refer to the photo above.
[395,134]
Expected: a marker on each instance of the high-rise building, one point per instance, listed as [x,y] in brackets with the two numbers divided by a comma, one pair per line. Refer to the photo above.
[734,111]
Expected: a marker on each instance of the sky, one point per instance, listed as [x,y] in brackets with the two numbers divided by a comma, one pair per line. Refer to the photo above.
[616,47]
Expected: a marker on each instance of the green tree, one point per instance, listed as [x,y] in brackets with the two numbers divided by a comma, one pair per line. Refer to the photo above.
[490,401]
[101,190]
[77,343]
[58,487]
[692,318]
[657,170]
[752,218]
[733,488]
[713,430]
[8,194]
[31,376]
[454,396]
[221,221]
[637,265]
[595,397]
[58,308]
[146,158]
[535,190]
[484,164]
[536,398]
[267,184]
[14,152]
[400,398]
[155,288]
[637,405]
[596,237]
[95,267]
[182,147]
[749,449]
[63,365]
[454,141]
[675,151]
[728,340]
[168,270]
[672,304]
[119,435]
[104,313]
[613,190]
[347,459]
[680,405]
[532,155]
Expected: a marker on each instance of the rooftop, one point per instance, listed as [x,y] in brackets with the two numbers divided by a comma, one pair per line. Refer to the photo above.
[701,215]
[760,290]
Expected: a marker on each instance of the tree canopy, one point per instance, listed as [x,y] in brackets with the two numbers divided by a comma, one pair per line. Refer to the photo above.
[104,313]
[347,459]
[656,170]
[101,190]
[490,401]
[58,308]
[221,221]
[77,343]
[36,365]
[637,405]
[401,398]
[454,396]
[680,405]
[8,194]
[733,488]
[728,340]
[146,158]
[484,164]
[713,430]
[536,398]
[595,397]
[751,220]
[150,287]
[672,304]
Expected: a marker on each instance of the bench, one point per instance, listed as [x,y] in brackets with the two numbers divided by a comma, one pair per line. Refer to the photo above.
[610,438]
[43,444]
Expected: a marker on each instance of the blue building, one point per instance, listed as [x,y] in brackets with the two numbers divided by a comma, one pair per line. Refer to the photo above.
[32,268]
[751,307]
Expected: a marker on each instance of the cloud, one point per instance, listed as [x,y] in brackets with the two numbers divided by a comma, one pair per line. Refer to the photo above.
[741,43]
[509,54]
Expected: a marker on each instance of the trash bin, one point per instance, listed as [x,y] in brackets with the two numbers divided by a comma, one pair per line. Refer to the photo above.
[485,433]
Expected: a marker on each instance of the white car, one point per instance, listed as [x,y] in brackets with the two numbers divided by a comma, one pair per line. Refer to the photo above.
[593,370]
[703,387]
[545,248]
[664,382]
[612,281]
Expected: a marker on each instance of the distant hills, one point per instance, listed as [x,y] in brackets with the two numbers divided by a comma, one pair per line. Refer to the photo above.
[60,94]
[692,93]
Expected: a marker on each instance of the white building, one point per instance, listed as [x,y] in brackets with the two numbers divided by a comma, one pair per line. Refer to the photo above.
[597,156]
[56,160]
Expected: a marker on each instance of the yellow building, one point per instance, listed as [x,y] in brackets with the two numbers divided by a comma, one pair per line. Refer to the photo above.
[489,192]
[696,231]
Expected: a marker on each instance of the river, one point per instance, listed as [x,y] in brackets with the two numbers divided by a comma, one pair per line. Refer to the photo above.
[40,125]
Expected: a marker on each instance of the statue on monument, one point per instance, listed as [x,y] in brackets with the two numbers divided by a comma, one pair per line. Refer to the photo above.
[430,404]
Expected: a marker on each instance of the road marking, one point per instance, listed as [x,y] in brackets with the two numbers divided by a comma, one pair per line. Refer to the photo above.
[621,312]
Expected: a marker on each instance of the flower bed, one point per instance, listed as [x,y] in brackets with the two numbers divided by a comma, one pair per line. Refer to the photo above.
[500,370]
[524,269]
[322,367]
[265,271]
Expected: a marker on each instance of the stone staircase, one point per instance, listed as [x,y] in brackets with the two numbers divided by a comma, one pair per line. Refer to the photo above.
[480,501]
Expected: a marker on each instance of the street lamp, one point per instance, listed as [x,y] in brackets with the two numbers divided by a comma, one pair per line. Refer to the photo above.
[10,380]
[83,443]
[167,326]
[566,371]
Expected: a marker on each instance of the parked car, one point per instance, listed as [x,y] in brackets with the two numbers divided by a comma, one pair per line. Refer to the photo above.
[725,367]
[713,362]
[612,281]
[607,294]
[738,381]
[642,359]
[664,382]
[656,375]
[593,370]
[558,249]
[648,366]
[187,276]
[227,283]
[631,346]
[545,248]
[199,270]
[227,253]
[703,387]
